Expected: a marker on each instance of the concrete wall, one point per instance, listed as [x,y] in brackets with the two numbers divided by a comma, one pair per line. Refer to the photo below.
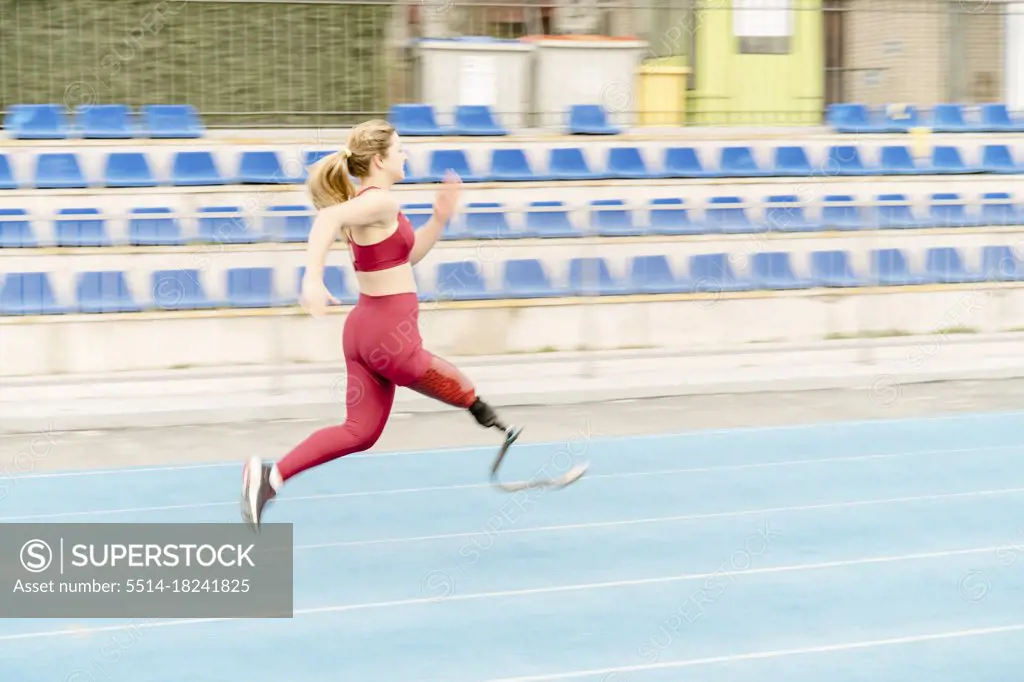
[924,51]
[78,344]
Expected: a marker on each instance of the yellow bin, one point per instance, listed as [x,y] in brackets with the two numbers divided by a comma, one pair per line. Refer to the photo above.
[662,89]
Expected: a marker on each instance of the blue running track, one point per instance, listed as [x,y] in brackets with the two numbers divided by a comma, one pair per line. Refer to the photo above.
[848,552]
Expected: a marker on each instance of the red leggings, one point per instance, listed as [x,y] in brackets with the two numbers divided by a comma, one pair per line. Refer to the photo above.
[383,349]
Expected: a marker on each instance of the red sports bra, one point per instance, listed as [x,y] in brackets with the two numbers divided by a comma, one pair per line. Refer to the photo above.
[392,251]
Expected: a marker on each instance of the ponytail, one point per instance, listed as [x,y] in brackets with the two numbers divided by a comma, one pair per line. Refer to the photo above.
[329,181]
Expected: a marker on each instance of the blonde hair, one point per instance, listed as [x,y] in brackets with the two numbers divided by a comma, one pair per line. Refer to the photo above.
[330,178]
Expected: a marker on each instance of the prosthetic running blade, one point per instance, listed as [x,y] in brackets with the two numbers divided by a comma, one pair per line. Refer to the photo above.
[558,482]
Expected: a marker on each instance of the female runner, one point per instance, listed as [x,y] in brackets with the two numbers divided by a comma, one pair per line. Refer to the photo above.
[381,338]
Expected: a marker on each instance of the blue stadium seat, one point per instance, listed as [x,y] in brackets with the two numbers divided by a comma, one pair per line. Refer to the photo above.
[310,158]
[105,121]
[80,231]
[58,170]
[511,165]
[441,160]
[251,288]
[171,121]
[193,169]
[476,120]
[526,278]
[7,180]
[461,281]
[949,210]
[845,160]
[29,293]
[712,273]
[669,216]
[226,225]
[833,269]
[996,118]
[569,163]
[611,218]
[792,161]
[36,122]
[590,119]
[546,221]
[653,275]
[726,215]
[896,160]
[947,159]
[950,118]
[998,208]
[410,175]
[288,228]
[684,162]
[104,292]
[893,211]
[773,270]
[999,264]
[853,118]
[997,158]
[415,120]
[262,168]
[900,119]
[418,214]
[128,169]
[784,214]
[739,162]
[15,229]
[944,264]
[154,226]
[180,290]
[590,276]
[889,268]
[486,223]
[627,163]
[334,280]
[839,212]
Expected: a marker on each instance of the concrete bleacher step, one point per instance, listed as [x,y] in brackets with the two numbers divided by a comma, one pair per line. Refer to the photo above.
[877,367]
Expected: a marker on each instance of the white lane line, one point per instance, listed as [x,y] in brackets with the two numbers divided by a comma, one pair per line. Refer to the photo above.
[478,486]
[670,519]
[775,653]
[526,592]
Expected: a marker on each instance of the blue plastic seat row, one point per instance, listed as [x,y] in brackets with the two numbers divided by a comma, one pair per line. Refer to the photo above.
[108,292]
[421,120]
[30,293]
[62,170]
[627,163]
[159,226]
[942,118]
[103,121]
[726,215]
[527,278]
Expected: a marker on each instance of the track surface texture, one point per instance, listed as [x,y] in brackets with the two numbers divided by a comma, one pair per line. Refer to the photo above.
[806,536]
